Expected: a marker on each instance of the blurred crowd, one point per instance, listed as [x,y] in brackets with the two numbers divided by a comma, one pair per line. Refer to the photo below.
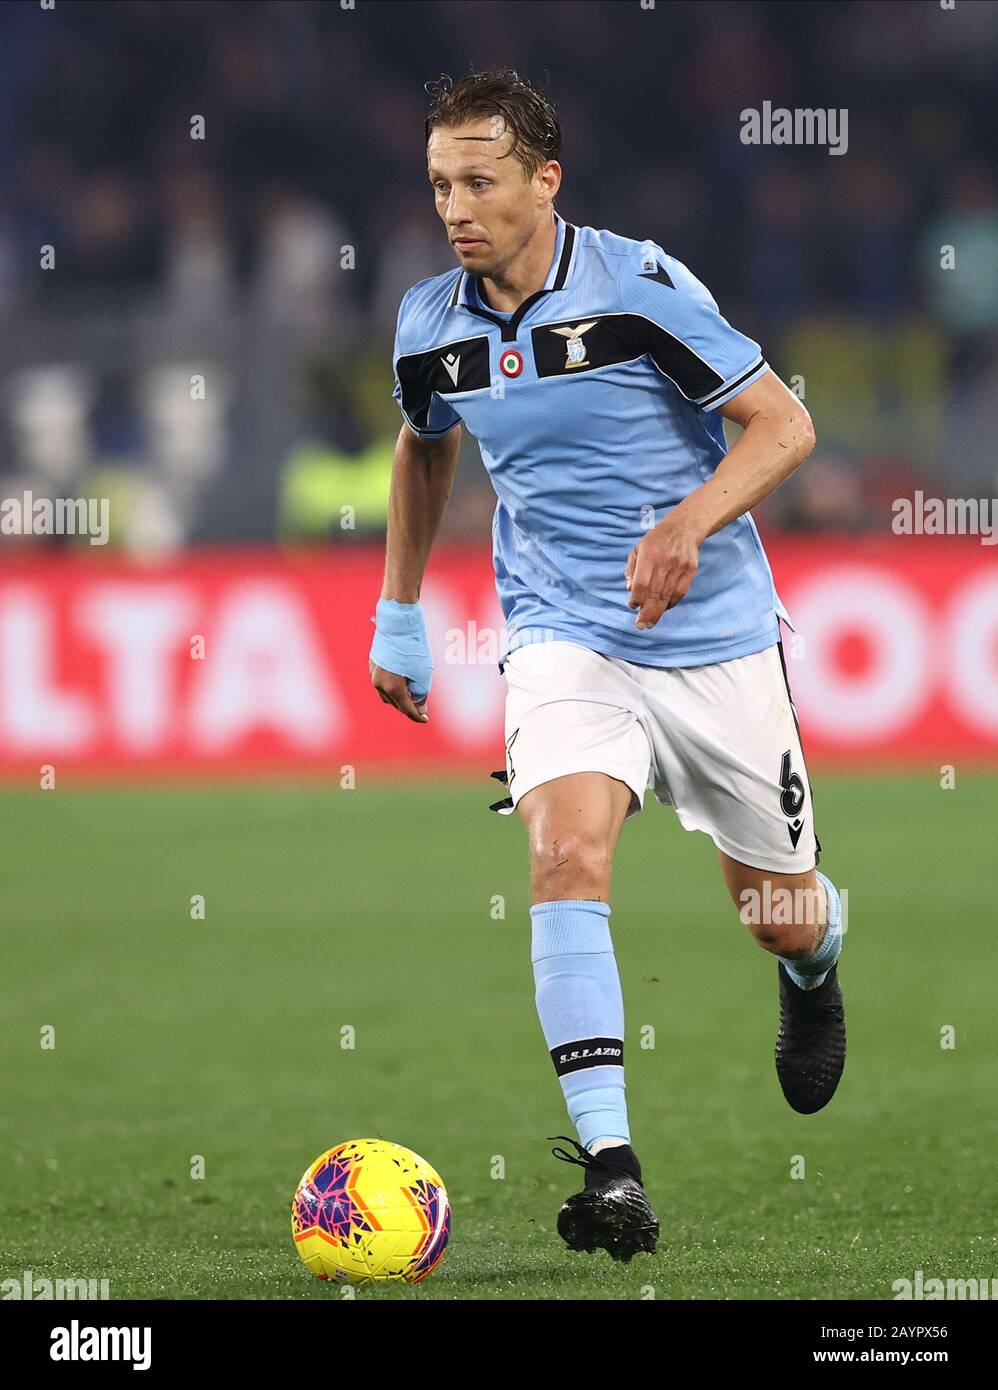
[234,196]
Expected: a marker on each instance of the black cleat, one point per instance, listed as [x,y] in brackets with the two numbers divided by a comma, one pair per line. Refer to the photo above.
[611,1213]
[811,1043]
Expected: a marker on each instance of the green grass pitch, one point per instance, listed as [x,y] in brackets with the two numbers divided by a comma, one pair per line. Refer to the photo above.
[373,909]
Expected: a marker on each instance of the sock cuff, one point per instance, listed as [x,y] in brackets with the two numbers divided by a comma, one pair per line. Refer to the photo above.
[834,924]
[808,972]
[569,926]
[559,905]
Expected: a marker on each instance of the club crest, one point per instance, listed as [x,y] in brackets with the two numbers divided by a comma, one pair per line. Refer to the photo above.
[575,347]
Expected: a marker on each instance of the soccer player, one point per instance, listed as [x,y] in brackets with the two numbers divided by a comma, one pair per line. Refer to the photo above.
[643,640]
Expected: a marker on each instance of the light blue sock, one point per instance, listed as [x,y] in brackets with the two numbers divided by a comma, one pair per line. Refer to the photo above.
[808,972]
[582,1013]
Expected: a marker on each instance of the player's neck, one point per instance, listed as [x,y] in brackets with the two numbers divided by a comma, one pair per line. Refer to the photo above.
[525,274]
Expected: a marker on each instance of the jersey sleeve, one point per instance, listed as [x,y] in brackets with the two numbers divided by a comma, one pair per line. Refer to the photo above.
[689,340]
[423,410]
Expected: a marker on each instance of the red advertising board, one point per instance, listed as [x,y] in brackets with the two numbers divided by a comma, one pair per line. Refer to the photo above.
[241,660]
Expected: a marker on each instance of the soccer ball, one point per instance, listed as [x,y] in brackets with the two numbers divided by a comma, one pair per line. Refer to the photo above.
[371,1210]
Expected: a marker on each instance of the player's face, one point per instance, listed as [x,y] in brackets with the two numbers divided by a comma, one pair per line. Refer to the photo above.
[488,205]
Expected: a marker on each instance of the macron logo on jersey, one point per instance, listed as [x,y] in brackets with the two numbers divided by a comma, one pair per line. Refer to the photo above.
[451,365]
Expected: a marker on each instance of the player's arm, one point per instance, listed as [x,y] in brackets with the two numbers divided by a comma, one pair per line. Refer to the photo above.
[422,478]
[777,436]
[716,368]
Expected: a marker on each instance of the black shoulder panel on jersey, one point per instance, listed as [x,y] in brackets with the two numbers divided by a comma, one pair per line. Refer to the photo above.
[449,369]
[587,343]
[677,361]
[584,343]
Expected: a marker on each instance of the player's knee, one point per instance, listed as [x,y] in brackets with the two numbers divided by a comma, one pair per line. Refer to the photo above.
[569,864]
[788,939]
[784,917]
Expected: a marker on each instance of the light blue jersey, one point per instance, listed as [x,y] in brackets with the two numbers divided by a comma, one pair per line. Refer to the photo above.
[594,406]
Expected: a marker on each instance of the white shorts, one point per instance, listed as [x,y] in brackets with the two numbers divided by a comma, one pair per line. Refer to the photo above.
[720,743]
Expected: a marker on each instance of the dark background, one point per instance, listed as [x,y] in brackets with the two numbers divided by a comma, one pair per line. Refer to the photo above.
[224,256]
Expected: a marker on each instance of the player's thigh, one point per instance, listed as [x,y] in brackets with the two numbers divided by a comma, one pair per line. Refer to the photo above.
[577,762]
[573,825]
[587,807]
[728,756]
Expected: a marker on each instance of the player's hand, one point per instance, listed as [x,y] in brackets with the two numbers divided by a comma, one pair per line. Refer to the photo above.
[394,690]
[400,663]
[661,568]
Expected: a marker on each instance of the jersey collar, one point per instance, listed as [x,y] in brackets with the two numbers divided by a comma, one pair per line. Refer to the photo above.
[558,277]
